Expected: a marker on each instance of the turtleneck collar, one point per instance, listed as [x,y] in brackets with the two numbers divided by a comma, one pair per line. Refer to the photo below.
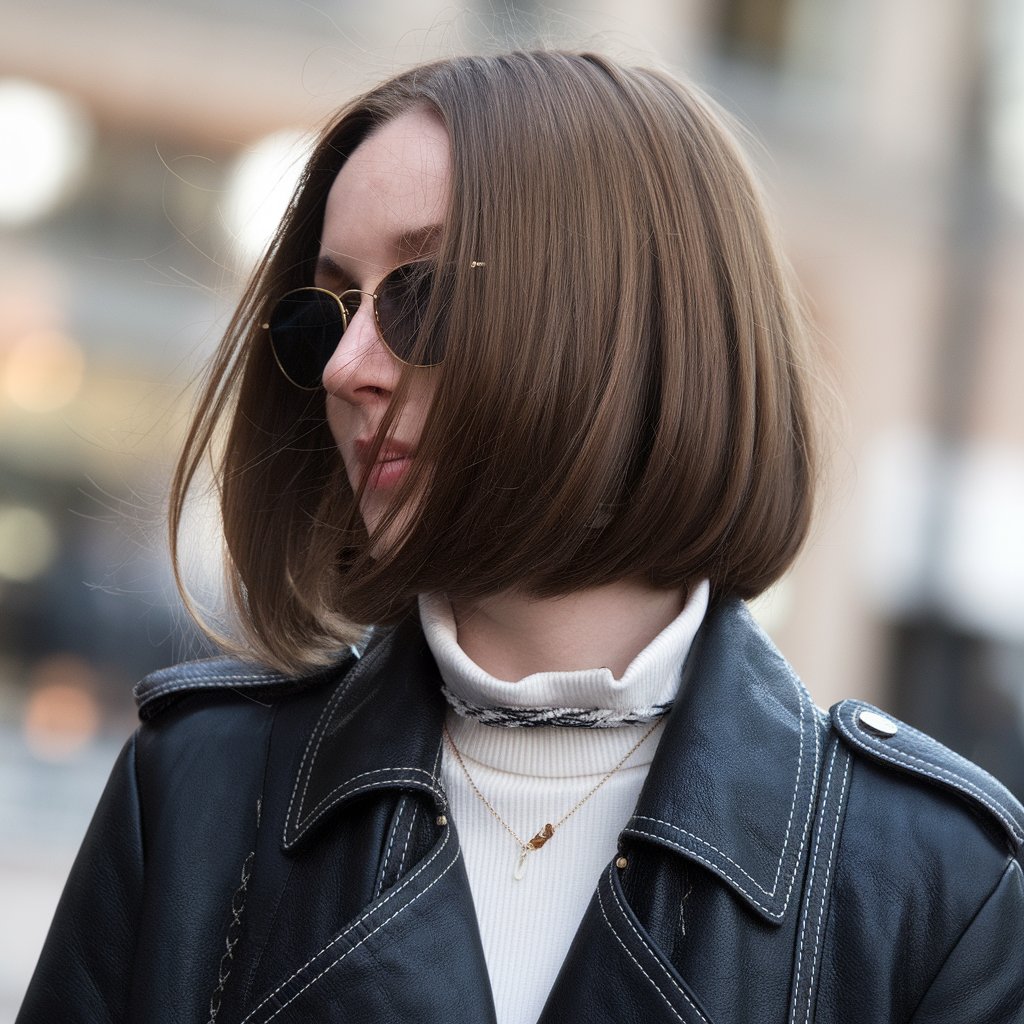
[651,679]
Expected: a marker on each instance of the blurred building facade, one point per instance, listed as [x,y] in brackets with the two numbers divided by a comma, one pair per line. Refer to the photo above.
[891,140]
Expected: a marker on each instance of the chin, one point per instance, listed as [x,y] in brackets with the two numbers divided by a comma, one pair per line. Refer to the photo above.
[382,537]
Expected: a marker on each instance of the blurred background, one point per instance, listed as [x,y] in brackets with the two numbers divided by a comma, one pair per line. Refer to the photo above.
[148,146]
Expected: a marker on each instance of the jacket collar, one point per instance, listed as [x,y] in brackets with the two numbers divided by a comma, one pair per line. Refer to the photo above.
[732,784]
[391,710]
[733,781]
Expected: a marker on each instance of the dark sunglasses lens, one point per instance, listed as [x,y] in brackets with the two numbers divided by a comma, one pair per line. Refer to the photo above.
[305,328]
[402,301]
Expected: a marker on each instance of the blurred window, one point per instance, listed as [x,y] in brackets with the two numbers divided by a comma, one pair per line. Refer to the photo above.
[755,30]
[964,688]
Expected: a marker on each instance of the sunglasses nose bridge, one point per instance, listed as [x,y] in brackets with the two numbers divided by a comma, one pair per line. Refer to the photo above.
[355,360]
[352,302]
[348,292]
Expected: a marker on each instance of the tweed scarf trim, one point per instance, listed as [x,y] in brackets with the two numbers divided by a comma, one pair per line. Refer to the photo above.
[573,718]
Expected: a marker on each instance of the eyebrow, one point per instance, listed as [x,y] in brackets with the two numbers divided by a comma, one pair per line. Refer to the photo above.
[415,243]
[327,266]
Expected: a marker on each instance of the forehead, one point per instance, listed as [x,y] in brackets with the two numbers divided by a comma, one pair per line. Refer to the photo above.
[394,184]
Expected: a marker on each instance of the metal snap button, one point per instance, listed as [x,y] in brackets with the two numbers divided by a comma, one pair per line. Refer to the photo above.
[878,724]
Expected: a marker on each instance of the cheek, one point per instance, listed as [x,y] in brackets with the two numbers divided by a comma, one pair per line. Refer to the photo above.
[421,398]
[340,421]
[343,428]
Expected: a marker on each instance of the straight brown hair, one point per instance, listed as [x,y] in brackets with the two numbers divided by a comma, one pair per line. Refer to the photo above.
[624,393]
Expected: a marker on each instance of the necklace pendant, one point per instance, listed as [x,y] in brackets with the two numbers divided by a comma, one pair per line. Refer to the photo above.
[521,864]
[541,837]
[534,844]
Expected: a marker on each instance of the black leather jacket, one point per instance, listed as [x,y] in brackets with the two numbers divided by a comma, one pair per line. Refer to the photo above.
[782,865]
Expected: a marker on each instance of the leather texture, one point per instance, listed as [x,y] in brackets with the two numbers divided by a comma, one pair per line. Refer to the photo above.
[279,850]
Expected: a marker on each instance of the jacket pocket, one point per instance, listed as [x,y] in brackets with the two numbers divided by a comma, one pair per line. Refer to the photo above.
[614,971]
[413,955]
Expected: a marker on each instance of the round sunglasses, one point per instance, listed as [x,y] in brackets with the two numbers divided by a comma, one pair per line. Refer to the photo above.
[306,324]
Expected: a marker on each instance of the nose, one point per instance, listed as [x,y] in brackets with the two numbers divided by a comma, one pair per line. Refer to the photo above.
[361,368]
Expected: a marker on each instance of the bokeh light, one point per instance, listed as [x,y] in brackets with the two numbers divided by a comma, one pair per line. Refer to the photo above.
[42,371]
[62,715]
[260,186]
[47,140]
[28,543]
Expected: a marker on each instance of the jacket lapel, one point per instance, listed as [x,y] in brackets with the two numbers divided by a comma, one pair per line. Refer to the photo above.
[413,955]
[732,785]
[385,944]
[613,972]
[732,791]
[387,712]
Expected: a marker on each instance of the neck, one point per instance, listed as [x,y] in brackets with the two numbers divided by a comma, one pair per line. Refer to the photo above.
[512,635]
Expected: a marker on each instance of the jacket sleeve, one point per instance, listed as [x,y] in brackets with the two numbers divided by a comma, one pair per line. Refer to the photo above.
[84,972]
[982,979]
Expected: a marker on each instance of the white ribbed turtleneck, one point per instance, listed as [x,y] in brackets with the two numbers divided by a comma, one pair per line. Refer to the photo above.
[532,776]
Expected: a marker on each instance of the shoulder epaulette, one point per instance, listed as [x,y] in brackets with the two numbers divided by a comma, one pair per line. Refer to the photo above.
[162,688]
[888,740]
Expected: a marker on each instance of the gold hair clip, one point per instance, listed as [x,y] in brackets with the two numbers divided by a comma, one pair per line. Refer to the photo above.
[477,263]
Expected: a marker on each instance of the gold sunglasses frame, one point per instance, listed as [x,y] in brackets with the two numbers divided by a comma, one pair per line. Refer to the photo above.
[339,299]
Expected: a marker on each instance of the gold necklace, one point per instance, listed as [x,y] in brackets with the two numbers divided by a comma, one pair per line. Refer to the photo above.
[548,830]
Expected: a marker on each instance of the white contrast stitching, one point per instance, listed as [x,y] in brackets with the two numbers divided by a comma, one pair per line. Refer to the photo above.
[365,938]
[945,751]
[824,891]
[332,706]
[205,683]
[435,771]
[369,913]
[197,675]
[704,842]
[640,939]
[417,783]
[360,667]
[302,764]
[643,942]
[416,807]
[807,820]
[316,812]
[316,750]
[408,836]
[399,811]
[203,665]
[804,701]
[319,806]
[716,867]
[810,888]
[946,775]
[932,742]
[368,936]
[611,928]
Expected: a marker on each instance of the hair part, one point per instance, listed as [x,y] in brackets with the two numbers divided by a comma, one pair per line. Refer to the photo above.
[624,393]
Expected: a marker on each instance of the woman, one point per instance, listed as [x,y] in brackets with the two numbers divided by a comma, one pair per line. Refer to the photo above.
[520,383]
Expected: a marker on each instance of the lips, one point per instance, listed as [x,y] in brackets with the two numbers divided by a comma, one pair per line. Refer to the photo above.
[388,468]
[386,474]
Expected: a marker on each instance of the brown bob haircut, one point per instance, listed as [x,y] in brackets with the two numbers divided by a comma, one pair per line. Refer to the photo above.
[624,390]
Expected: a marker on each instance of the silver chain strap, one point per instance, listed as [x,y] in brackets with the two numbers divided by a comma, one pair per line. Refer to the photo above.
[234,932]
